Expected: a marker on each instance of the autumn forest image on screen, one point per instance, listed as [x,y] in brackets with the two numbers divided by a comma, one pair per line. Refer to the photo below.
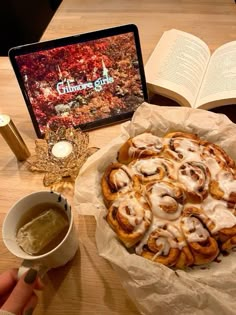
[82,83]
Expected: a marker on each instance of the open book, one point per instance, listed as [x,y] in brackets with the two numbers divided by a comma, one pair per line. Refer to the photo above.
[182,68]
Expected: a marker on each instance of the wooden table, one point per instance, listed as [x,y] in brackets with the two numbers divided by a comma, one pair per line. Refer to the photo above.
[88,285]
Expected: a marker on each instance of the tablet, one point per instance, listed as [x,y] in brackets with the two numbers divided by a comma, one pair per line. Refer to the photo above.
[87,80]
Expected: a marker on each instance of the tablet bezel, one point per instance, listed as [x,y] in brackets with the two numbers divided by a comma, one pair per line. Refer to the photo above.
[70,40]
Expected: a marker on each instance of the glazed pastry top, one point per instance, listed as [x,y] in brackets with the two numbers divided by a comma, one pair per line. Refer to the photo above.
[189,185]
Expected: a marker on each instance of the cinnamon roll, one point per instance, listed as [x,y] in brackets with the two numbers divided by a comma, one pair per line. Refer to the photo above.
[153,168]
[203,246]
[180,146]
[218,219]
[143,145]
[117,180]
[166,199]
[213,152]
[221,222]
[164,243]
[130,217]
[224,187]
[195,176]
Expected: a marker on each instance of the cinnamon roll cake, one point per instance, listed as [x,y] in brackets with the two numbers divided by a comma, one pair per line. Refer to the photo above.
[172,199]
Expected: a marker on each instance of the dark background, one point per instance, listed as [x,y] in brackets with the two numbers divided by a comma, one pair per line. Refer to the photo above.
[228,110]
[24,21]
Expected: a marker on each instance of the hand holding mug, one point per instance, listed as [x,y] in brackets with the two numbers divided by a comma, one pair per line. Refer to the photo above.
[18,296]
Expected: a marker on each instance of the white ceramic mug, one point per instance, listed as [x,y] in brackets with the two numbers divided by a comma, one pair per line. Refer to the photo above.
[59,255]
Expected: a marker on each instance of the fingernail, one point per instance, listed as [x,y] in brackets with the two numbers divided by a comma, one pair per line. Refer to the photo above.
[30,276]
[29,311]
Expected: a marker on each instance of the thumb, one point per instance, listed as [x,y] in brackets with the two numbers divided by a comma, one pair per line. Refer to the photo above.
[22,293]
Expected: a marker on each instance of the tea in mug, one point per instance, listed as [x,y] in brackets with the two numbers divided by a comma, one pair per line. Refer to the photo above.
[41,229]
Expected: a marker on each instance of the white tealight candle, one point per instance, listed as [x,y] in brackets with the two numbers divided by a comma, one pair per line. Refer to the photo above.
[62,149]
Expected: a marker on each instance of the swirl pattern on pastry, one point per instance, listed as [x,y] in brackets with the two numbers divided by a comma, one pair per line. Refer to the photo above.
[203,246]
[224,187]
[152,168]
[223,222]
[166,199]
[161,244]
[180,146]
[130,217]
[195,177]
[117,180]
[143,145]
[211,151]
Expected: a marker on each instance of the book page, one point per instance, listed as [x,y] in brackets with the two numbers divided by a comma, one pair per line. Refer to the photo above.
[177,66]
[219,85]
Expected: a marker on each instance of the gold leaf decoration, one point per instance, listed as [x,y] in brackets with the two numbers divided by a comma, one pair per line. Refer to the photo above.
[57,169]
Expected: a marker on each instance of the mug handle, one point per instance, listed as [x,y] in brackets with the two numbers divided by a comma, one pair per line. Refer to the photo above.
[27,264]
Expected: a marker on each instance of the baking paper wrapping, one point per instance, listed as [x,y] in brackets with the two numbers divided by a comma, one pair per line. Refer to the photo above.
[154,288]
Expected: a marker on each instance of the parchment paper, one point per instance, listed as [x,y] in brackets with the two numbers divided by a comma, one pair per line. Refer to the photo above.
[154,288]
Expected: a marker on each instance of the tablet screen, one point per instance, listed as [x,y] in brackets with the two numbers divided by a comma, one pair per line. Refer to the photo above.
[85,81]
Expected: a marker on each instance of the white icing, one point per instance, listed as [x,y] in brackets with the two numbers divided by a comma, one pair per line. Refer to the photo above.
[218,212]
[194,230]
[227,183]
[121,178]
[211,151]
[153,166]
[148,215]
[213,166]
[164,245]
[192,184]
[145,141]
[170,237]
[136,212]
[146,166]
[189,149]
[162,195]
[136,215]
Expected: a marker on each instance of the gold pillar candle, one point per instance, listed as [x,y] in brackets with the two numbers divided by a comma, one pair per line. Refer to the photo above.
[13,138]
